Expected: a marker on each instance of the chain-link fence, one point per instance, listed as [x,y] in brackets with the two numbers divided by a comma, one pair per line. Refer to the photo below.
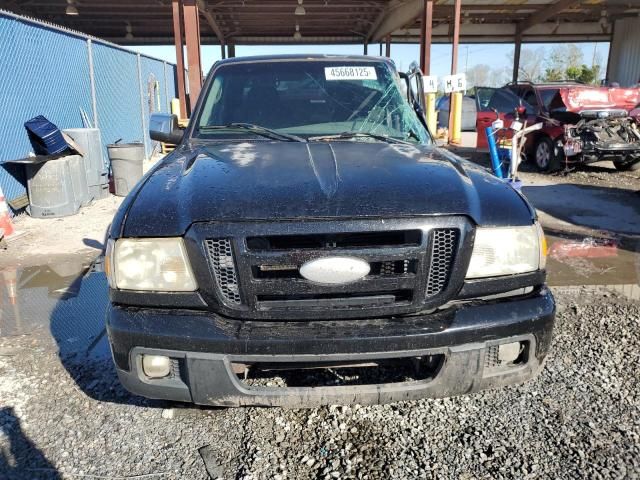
[63,75]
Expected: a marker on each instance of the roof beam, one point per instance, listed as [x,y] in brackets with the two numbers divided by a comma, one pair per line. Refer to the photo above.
[545,14]
[395,16]
[204,10]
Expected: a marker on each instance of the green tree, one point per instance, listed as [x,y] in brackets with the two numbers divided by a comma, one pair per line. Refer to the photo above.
[584,74]
[552,75]
[566,62]
[564,56]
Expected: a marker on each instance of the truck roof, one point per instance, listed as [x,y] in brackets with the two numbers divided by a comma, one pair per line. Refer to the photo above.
[302,56]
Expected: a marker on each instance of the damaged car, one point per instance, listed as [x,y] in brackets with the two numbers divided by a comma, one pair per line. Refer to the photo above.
[307,243]
[581,124]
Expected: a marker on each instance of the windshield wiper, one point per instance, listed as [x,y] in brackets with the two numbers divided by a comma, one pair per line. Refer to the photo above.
[349,135]
[257,129]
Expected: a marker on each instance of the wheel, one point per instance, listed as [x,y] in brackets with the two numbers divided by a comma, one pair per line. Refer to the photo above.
[632,165]
[546,155]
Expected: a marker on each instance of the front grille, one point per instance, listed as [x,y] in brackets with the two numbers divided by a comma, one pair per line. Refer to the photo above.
[221,260]
[256,267]
[444,243]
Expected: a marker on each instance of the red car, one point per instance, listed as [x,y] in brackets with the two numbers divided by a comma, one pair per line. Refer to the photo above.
[582,124]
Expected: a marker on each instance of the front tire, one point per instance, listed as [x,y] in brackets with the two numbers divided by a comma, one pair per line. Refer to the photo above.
[545,155]
[632,165]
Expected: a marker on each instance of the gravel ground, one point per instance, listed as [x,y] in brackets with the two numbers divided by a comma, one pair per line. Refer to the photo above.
[578,419]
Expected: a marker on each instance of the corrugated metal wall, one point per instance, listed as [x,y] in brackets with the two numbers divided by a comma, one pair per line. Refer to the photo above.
[46,70]
[624,60]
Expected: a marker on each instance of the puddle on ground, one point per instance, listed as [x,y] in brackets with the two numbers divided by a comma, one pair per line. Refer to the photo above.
[579,260]
[64,300]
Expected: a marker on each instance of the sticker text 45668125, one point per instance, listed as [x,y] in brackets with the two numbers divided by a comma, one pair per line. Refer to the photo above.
[350,73]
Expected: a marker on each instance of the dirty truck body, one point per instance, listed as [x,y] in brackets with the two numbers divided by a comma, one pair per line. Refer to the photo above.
[250,252]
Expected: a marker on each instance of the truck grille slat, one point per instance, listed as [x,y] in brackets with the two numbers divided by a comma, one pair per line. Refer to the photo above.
[224,268]
[336,240]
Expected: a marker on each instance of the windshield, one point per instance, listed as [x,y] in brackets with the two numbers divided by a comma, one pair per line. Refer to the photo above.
[309,99]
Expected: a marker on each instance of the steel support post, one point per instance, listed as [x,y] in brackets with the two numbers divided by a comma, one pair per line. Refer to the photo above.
[192,37]
[516,57]
[178,36]
[455,102]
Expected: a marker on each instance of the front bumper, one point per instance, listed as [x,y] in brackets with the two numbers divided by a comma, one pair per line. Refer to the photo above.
[599,154]
[205,345]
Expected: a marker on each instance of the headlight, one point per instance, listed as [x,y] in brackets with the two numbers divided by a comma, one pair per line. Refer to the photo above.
[150,264]
[507,251]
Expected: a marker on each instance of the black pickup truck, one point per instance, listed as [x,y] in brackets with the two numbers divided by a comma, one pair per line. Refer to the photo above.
[306,222]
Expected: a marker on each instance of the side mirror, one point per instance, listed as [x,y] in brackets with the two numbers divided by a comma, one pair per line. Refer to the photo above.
[522,110]
[163,127]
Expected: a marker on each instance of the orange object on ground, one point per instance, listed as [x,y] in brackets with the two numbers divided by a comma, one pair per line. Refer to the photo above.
[6,225]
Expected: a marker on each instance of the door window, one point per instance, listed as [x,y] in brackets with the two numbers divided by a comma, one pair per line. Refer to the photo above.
[500,99]
[548,97]
[529,96]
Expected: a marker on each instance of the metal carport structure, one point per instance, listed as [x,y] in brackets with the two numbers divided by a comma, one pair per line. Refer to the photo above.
[242,22]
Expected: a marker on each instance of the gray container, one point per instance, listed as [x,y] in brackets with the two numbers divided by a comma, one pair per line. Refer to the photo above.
[57,188]
[126,164]
[89,141]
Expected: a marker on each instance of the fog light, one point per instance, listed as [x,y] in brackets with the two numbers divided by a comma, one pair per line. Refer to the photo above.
[156,366]
[509,352]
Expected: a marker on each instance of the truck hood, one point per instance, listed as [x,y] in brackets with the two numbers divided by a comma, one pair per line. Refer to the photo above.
[256,181]
[577,99]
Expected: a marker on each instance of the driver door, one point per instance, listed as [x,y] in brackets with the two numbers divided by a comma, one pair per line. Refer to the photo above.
[415,89]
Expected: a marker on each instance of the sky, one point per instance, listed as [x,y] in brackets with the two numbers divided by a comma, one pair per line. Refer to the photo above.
[495,55]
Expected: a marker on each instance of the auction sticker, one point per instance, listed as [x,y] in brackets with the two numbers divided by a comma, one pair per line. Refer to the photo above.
[350,73]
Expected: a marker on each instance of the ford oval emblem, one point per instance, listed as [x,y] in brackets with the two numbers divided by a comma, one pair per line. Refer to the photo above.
[335,270]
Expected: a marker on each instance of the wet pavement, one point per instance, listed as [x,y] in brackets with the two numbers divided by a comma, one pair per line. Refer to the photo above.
[61,303]
[611,209]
